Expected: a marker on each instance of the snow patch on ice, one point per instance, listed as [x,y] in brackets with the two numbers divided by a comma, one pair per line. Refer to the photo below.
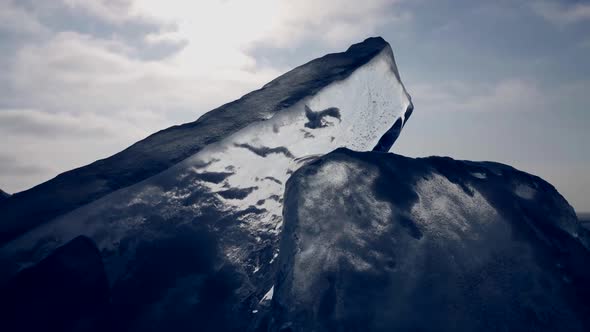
[444,209]
[276,254]
[479,175]
[525,191]
[268,296]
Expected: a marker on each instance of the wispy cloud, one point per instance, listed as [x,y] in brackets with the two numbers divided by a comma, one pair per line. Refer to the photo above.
[512,95]
[115,11]
[560,12]
[15,20]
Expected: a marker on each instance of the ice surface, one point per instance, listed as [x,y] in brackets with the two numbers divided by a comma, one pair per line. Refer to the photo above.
[382,242]
[248,169]
[363,83]
[219,211]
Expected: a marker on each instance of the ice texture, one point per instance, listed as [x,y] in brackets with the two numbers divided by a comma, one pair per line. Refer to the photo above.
[382,242]
[212,220]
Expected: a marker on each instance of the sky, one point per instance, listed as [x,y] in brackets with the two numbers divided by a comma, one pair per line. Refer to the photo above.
[505,81]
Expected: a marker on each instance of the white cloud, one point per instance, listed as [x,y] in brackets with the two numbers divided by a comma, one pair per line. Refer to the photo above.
[281,22]
[219,32]
[18,21]
[562,13]
[115,11]
[35,123]
[79,73]
[37,145]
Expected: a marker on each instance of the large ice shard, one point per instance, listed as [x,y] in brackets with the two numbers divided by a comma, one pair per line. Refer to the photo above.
[188,220]
[382,242]
[362,83]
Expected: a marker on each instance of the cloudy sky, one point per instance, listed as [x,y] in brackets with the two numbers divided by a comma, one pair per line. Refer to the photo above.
[507,80]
